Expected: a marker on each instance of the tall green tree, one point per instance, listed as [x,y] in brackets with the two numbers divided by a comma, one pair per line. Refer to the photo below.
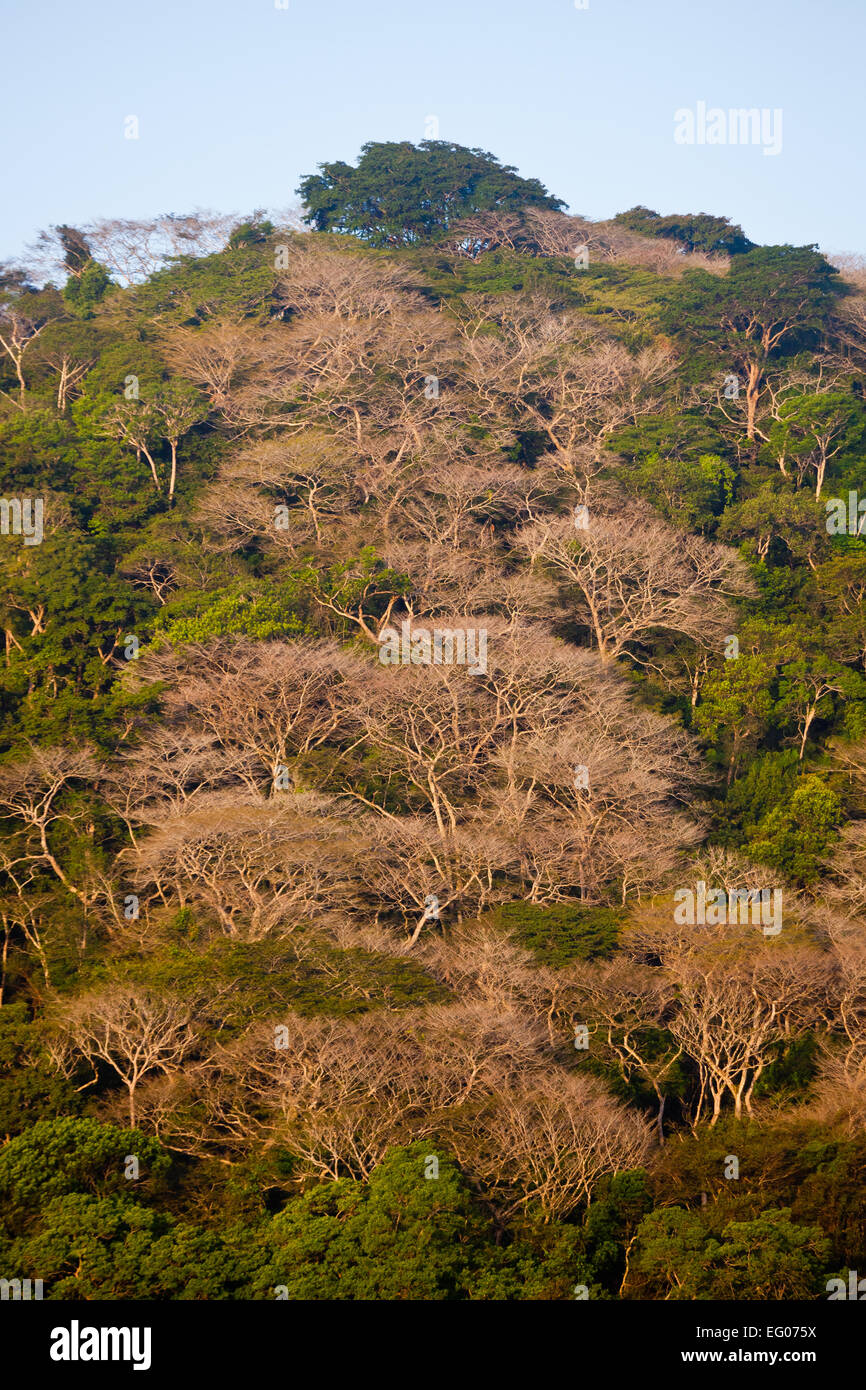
[400,194]
[694,231]
[774,300]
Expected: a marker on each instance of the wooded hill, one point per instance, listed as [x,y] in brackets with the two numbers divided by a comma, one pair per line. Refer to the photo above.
[339,965]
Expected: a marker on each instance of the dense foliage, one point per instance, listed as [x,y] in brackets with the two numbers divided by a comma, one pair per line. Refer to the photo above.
[344,961]
[399,194]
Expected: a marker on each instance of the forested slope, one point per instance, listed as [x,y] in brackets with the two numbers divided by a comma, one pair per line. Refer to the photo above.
[345,960]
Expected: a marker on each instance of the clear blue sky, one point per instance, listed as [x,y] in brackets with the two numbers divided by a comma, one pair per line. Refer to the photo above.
[236,99]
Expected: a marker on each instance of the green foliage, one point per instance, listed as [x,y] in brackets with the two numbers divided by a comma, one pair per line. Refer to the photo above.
[774,301]
[256,611]
[189,291]
[812,429]
[252,980]
[768,782]
[694,231]
[30,1090]
[770,1257]
[792,1072]
[399,193]
[736,704]
[73,1155]
[112,1248]
[561,933]
[403,1235]
[617,1209]
[690,493]
[775,526]
[258,229]
[87,289]
[794,838]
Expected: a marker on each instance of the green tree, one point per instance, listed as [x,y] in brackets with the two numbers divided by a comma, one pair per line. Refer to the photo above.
[30,1090]
[84,291]
[773,301]
[776,526]
[694,231]
[736,705]
[413,1231]
[72,1155]
[770,1257]
[812,430]
[794,837]
[400,193]
[113,1248]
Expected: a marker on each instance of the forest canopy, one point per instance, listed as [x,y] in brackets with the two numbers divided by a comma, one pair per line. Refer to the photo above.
[399,194]
[432,751]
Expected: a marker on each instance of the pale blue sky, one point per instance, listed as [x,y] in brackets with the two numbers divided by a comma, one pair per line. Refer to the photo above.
[236,99]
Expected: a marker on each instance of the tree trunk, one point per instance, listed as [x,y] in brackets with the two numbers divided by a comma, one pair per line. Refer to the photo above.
[752,392]
[173,479]
[660,1121]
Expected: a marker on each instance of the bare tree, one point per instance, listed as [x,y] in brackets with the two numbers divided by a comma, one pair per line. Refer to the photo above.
[132,1030]
[630,1006]
[633,575]
[23,317]
[32,801]
[548,1142]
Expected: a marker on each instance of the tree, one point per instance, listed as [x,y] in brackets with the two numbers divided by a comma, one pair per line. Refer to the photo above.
[773,300]
[769,1257]
[732,1013]
[415,1230]
[633,576]
[133,250]
[266,867]
[257,229]
[813,430]
[168,413]
[400,193]
[631,1008]
[77,255]
[736,700]
[70,352]
[794,837]
[30,1090]
[135,423]
[549,1143]
[176,409]
[33,797]
[131,1030]
[25,312]
[842,580]
[698,231]
[84,291]
[807,685]
[775,525]
[218,358]
[113,1248]
[59,1156]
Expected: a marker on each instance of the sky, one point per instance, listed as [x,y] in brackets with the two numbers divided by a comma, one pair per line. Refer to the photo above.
[237,99]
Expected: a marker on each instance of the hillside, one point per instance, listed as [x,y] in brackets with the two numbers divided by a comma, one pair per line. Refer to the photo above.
[433,756]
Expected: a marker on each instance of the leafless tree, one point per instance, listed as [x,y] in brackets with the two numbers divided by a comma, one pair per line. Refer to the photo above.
[633,575]
[33,805]
[132,1030]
